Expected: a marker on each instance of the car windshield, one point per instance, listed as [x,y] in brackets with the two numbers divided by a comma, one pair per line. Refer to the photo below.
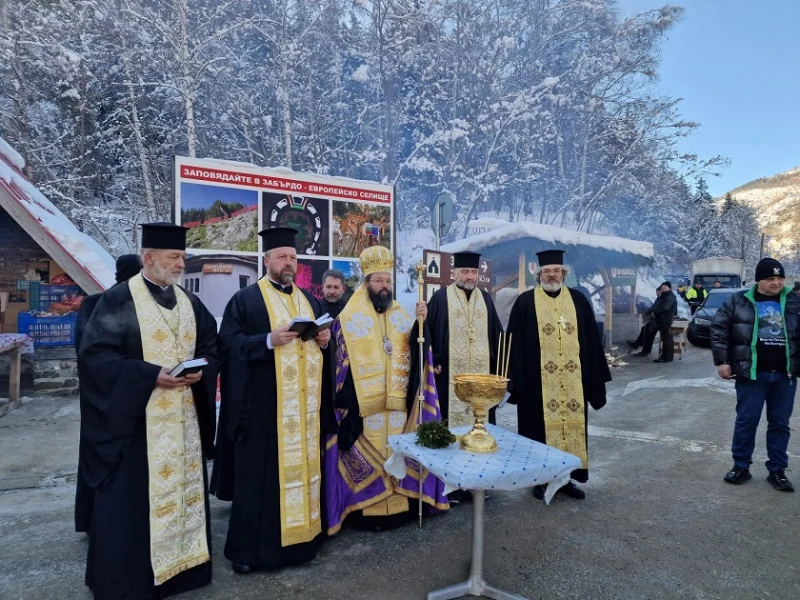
[716,300]
[726,281]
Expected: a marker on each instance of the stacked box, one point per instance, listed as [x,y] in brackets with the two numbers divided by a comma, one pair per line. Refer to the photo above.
[49,331]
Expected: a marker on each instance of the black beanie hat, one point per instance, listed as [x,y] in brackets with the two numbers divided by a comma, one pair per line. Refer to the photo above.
[769,267]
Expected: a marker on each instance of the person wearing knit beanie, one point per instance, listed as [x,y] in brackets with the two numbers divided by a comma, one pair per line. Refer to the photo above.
[769,267]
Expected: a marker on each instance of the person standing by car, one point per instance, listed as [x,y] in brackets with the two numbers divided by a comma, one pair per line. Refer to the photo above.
[663,311]
[696,295]
[755,338]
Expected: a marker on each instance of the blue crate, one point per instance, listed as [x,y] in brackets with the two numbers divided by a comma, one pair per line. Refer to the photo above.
[49,331]
[34,293]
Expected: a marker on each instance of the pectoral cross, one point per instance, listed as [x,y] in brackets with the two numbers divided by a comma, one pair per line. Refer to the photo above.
[563,322]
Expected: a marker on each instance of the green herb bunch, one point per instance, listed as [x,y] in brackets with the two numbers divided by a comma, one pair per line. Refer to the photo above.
[434,434]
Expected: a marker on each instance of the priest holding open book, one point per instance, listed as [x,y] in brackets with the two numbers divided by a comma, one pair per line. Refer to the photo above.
[276,406]
[147,429]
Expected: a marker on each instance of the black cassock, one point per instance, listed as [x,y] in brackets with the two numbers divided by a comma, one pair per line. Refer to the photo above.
[246,467]
[84,494]
[116,385]
[439,322]
[525,370]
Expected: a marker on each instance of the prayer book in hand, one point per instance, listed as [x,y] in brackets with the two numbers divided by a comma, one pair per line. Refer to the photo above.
[308,329]
[188,366]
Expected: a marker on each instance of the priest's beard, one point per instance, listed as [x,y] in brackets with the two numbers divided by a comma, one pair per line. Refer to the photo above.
[551,286]
[380,300]
[465,286]
[165,275]
[284,277]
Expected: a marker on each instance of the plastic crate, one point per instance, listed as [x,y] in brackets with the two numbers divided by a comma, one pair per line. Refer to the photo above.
[49,331]
[34,292]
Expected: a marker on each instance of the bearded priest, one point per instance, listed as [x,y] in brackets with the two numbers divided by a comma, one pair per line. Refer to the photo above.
[376,391]
[146,434]
[275,407]
[558,365]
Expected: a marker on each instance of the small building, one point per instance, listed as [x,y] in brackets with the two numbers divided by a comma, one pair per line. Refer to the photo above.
[214,278]
[38,243]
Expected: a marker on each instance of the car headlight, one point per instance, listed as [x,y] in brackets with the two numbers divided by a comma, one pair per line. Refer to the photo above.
[702,321]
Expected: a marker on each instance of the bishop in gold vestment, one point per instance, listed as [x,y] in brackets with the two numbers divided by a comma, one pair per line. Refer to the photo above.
[558,365]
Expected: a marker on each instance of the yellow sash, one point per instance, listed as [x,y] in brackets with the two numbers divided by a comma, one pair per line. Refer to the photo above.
[174,454]
[469,345]
[298,368]
[378,388]
[562,387]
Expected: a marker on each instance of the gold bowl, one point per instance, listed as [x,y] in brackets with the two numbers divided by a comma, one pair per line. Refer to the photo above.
[480,392]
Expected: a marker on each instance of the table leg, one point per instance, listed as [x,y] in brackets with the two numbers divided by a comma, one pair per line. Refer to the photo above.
[13,376]
[475,585]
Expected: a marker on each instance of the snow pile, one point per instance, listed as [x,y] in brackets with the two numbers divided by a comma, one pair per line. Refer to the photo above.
[95,260]
[551,234]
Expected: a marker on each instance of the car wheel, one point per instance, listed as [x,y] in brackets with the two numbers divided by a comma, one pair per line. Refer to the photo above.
[693,339]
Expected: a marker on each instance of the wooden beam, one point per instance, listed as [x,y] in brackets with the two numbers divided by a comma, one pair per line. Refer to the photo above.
[505,283]
[522,268]
[608,322]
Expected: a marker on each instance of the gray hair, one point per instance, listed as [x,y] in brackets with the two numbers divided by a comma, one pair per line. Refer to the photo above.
[565,269]
[333,273]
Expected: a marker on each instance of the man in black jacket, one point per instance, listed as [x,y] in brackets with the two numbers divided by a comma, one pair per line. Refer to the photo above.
[663,311]
[334,293]
[755,338]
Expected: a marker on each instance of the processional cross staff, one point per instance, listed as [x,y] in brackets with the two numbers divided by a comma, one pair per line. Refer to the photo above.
[420,269]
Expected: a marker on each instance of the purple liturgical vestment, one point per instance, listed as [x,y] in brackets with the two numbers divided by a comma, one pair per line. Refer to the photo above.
[355,477]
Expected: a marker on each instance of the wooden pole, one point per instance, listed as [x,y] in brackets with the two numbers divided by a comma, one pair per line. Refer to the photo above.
[609,307]
[522,266]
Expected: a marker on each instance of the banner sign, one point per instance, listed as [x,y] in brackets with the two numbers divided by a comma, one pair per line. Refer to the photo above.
[224,205]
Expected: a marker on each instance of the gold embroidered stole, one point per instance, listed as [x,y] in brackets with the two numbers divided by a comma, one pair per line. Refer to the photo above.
[174,454]
[469,345]
[298,369]
[562,387]
[381,380]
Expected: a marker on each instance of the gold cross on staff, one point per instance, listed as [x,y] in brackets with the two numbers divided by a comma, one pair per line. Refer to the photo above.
[420,269]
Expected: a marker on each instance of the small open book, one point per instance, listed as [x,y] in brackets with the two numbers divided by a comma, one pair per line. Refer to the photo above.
[188,366]
[307,329]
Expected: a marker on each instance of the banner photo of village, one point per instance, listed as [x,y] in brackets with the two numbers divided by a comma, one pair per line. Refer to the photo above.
[224,206]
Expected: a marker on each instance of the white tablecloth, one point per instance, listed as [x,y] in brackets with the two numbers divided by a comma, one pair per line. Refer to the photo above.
[7,339]
[519,463]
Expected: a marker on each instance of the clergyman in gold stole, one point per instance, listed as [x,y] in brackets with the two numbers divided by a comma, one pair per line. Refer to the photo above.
[558,365]
[374,381]
[146,434]
[275,393]
[466,332]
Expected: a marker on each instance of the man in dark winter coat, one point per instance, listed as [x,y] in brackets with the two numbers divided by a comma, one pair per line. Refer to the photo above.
[334,293]
[755,339]
[663,311]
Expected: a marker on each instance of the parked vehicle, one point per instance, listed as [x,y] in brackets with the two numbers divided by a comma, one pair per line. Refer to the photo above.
[699,331]
[679,283]
[728,271]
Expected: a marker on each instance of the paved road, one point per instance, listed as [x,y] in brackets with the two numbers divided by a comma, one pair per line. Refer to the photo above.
[658,521]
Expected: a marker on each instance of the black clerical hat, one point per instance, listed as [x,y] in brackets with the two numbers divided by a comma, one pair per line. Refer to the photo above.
[163,236]
[466,260]
[278,237]
[128,265]
[550,257]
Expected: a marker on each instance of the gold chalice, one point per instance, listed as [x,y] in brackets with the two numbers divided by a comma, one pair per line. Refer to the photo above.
[480,392]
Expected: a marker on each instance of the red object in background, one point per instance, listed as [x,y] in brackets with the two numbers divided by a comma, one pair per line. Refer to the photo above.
[62,280]
[304,276]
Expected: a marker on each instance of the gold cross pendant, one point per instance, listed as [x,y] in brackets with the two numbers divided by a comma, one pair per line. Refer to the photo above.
[563,322]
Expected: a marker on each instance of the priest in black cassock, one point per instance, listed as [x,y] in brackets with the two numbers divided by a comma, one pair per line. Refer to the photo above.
[466,333]
[275,407]
[146,434]
[127,266]
[558,365]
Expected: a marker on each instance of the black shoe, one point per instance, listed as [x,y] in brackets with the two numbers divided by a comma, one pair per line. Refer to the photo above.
[738,475]
[633,345]
[538,492]
[573,491]
[242,569]
[661,360]
[642,354]
[779,481]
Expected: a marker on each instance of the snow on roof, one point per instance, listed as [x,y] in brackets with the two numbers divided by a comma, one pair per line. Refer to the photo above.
[497,232]
[83,259]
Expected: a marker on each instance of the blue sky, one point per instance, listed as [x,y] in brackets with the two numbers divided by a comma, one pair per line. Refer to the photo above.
[736,64]
[200,195]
